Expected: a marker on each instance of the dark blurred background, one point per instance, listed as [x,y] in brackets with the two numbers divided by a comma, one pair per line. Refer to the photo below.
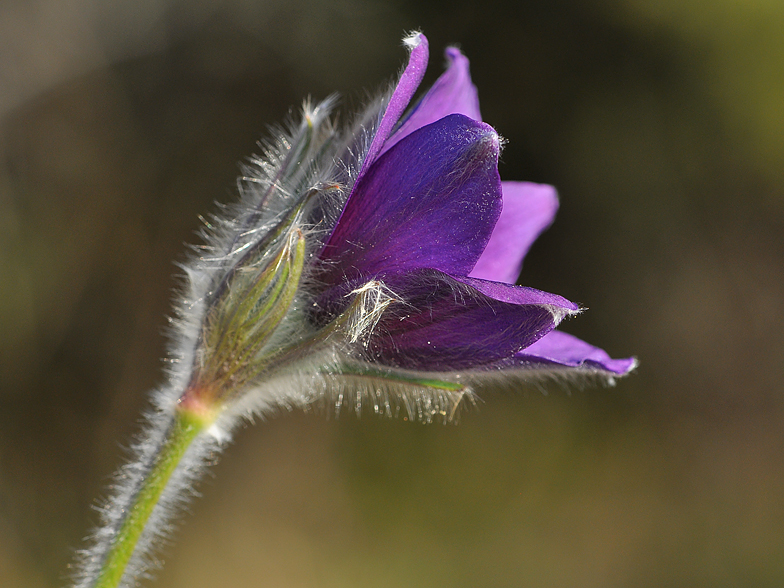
[661,124]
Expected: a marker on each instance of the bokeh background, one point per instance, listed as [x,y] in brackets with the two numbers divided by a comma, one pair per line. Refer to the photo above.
[661,124]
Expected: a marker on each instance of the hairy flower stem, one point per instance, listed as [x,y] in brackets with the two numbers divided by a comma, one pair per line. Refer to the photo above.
[185,427]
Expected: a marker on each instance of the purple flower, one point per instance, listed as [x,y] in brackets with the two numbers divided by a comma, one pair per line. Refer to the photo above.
[370,266]
[378,264]
[429,218]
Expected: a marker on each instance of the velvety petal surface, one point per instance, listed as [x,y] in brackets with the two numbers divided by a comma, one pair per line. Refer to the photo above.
[528,209]
[446,323]
[401,97]
[453,93]
[519,294]
[558,348]
[430,201]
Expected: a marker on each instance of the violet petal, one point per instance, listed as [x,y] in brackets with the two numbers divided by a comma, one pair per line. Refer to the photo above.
[448,323]
[401,96]
[453,93]
[431,201]
[528,210]
[558,348]
[519,294]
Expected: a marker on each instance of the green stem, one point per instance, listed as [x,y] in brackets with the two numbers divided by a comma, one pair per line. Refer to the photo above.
[184,429]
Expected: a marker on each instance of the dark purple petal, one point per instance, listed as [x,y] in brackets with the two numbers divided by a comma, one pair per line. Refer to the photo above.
[431,201]
[453,93]
[447,323]
[401,96]
[528,210]
[557,348]
[519,294]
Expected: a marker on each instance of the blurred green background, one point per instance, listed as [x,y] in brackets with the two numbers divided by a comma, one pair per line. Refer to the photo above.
[661,124]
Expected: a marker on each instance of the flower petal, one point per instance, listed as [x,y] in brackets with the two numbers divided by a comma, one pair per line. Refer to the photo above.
[453,93]
[431,201]
[519,294]
[528,210]
[448,323]
[566,350]
[401,96]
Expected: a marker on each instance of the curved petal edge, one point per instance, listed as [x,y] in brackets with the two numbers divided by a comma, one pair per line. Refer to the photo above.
[561,349]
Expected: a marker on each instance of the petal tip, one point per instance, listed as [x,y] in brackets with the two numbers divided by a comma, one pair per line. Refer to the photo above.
[631,364]
[488,137]
[414,39]
[559,313]
[454,54]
